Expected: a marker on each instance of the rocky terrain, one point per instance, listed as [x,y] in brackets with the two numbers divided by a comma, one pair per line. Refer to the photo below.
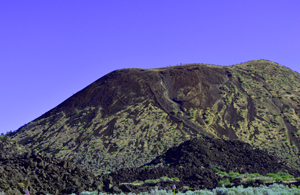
[196,164]
[132,118]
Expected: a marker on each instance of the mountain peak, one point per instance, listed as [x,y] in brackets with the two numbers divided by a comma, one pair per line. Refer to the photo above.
[130,116]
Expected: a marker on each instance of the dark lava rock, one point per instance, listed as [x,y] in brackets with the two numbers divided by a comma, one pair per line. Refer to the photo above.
[236,156]
[192,162]
[198,158]
[41,175]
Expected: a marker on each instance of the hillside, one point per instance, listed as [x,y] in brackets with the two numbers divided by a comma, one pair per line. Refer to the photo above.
[129,117]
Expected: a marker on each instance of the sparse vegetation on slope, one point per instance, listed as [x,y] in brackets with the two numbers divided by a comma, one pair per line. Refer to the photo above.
[129,117]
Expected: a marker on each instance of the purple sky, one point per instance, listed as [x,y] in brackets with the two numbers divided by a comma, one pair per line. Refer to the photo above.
[50,50]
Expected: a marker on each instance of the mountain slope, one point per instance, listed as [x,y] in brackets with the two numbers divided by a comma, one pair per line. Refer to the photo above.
[130,116]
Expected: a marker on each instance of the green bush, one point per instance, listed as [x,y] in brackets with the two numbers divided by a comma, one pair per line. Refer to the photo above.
[277,178]
[150,181]
[285,176]
[271,174]
[256,174]
[234,173]
[225,182]
[294,186]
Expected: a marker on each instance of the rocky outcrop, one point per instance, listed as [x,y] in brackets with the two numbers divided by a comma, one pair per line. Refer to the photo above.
[192,162]
[40,174]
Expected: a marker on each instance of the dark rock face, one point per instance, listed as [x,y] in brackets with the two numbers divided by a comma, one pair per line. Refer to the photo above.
[224,155]
[197,158]
[41,175]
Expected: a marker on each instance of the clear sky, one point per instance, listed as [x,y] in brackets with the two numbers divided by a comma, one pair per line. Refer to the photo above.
[49,50]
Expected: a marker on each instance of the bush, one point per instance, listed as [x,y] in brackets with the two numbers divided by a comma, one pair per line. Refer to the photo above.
[234,173]
[225,182]
[277,178]
[256,174]
[282,174]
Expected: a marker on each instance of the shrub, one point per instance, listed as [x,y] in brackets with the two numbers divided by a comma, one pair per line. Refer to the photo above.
[150,181]
[277,178]
[271,174]
[256,174]
[225,182]
[233,173]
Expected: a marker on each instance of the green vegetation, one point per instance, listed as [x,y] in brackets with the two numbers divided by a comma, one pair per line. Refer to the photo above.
[276,177]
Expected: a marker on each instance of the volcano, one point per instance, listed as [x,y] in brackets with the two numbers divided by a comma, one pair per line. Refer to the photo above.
[184,121]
